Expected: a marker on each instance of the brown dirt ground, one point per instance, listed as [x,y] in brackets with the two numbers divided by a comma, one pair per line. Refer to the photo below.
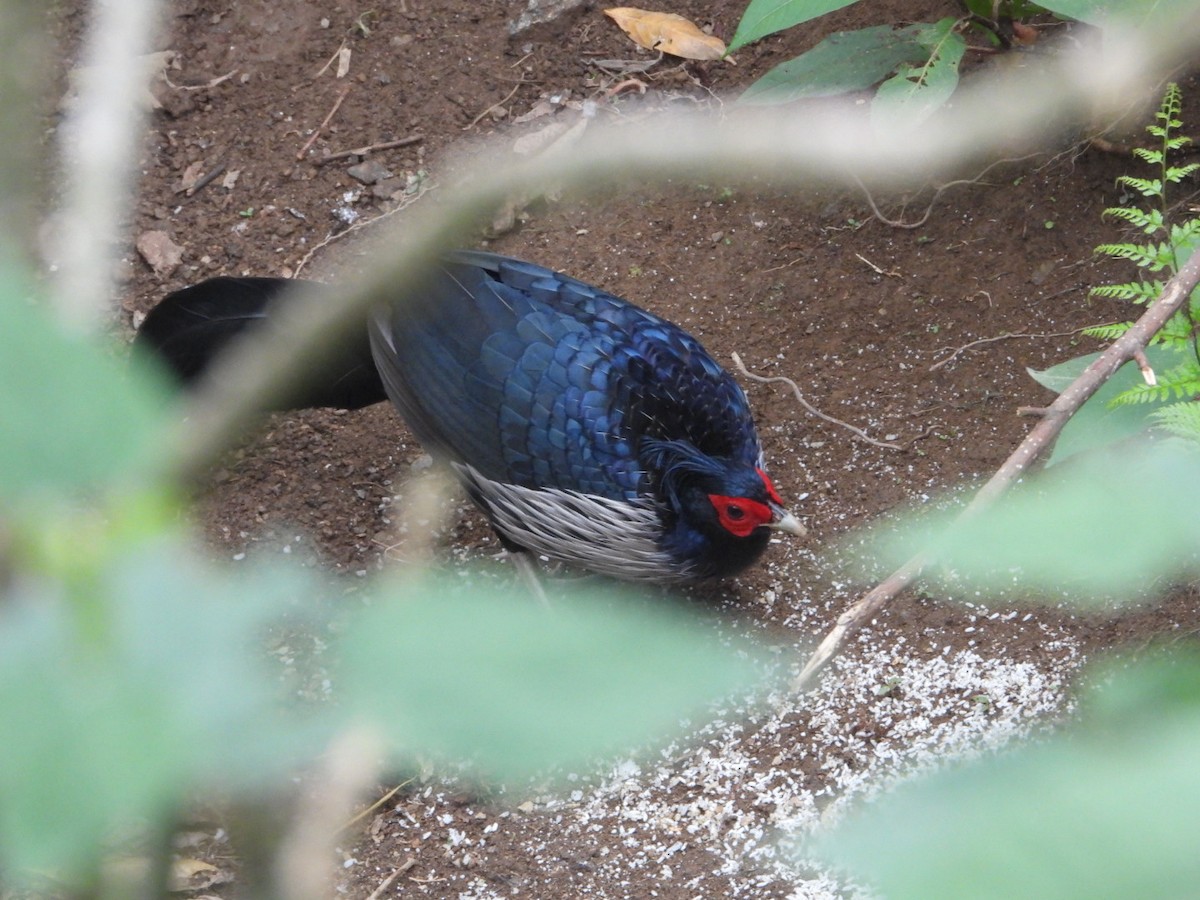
[813,287]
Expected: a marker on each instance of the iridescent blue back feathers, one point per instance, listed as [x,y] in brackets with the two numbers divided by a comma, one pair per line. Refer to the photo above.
[541,380]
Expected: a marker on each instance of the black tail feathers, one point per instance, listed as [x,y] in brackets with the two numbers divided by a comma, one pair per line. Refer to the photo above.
[191,327]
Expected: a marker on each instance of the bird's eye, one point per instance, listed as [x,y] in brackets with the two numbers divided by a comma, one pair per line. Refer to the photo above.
[740,515]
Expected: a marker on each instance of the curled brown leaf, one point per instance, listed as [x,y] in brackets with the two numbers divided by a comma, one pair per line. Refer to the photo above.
[667,32]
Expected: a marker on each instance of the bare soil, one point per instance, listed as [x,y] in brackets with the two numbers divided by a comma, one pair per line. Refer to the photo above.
[814,287]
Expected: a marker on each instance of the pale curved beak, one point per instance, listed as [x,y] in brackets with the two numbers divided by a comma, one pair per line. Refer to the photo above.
[785,521]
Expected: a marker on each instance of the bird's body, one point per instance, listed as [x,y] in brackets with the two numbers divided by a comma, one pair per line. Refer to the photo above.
[587,429]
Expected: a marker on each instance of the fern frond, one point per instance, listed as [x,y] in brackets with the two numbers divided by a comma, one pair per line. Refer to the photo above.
[1154,257]
[1153,157]
[1163,257]
[1133,291]
[1154,221]
[1180,383]
[1172,102]
[1179,419]
[1148,221]
[1141,393]
[1147,187]
[1176,333]
[1124,251]
[1108,332]
[1177,383]
[1176,174]
[1146,256]
[1186,234]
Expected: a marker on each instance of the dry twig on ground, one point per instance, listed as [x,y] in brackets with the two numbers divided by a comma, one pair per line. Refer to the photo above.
[1008,335]
[938,191]
[780,379]
[337,104]
[1041,438]
[368,149]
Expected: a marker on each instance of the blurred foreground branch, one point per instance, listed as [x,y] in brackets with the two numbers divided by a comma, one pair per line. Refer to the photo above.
[23,79]
[98,148]
[1001,115]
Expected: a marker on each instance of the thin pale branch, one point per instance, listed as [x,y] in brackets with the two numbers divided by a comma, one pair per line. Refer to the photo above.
[99,141]
[1038,441]
[938,191]
[25,73]
[780,379]
[1008,335]
[302,865]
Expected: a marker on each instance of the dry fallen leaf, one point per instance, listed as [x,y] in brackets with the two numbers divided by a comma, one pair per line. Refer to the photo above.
[666,32]
[196,875]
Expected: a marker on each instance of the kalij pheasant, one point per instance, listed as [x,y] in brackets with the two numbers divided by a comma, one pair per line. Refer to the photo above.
[587,429]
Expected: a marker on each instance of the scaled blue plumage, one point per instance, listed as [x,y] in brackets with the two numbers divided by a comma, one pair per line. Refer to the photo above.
[540,380]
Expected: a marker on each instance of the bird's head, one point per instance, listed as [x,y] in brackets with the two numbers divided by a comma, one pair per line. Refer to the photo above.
[724,511]
[753,503]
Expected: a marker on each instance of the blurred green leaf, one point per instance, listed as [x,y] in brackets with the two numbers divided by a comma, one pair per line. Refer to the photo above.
[843,62]
[763,17]
[1120,12]
[916,92]
[112,728]
[1097,424]
[470,673]
[71,418]
[1165,683]
[1107,525]
[1107,812]
[1017,9]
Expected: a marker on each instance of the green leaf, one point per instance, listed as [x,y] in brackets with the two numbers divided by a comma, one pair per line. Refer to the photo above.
[763,17]
[1110,812]
[1107,526]
[109,728]
[1121,12]
[474,674]
[71,416]
[1097,424]
[844,61]
[916,92]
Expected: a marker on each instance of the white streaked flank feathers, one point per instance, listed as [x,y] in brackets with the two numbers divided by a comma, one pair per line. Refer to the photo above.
[612,537]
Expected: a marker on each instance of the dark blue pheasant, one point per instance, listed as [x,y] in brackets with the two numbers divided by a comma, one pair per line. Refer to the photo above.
[587,430]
